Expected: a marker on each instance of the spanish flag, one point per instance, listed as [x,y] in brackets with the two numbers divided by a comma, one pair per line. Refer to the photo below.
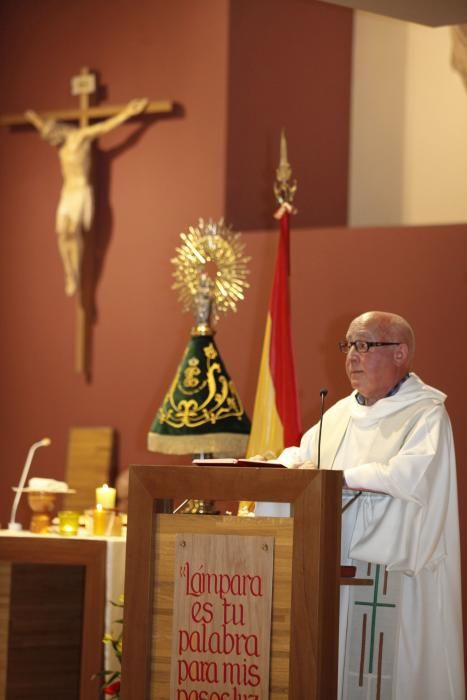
[276,416]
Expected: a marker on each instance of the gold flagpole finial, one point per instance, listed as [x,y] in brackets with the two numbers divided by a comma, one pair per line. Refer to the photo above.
[284,171]
[283,189]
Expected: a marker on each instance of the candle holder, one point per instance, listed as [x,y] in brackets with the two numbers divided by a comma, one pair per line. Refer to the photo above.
[42,504]
[68,523]
[107,522]
[102,521]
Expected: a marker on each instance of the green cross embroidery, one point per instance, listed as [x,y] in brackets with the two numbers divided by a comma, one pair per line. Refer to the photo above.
[374,606]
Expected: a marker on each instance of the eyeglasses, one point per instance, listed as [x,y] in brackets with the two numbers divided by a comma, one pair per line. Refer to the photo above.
[361,346]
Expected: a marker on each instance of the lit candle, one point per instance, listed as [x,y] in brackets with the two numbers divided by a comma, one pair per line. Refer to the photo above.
[101,521]
[105,496]
[68,523]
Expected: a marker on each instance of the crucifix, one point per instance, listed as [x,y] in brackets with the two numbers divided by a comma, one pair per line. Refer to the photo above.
[75,210]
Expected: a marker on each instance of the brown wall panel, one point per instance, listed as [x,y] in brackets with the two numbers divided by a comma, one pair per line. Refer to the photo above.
[289,68]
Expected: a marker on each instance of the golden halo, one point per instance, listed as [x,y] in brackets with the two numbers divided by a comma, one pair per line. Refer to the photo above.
[210,265]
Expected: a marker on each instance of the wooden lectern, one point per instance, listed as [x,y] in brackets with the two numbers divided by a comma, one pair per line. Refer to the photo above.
[305,606]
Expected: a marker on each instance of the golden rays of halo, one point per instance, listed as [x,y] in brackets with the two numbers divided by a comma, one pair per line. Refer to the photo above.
[210,263]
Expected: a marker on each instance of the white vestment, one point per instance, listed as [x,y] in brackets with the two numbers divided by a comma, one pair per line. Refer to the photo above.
[401,446]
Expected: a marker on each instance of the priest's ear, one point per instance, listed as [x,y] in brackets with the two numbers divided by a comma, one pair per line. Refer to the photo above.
[401,355]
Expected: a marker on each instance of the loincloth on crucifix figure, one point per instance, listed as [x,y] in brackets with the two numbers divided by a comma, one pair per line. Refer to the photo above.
[75,209]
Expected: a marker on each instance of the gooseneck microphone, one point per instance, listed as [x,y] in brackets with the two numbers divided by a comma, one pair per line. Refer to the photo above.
[13,525]
[323,393]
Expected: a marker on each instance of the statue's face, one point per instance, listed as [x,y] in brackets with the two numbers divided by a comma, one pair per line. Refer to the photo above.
[54,132]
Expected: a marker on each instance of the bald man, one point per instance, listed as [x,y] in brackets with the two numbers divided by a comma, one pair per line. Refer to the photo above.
[400,639]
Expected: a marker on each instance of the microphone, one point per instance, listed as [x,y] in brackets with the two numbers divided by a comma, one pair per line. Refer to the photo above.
[13,525]
[323,393]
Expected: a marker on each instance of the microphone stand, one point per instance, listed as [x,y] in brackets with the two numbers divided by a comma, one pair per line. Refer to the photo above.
[323,393]
[13,525]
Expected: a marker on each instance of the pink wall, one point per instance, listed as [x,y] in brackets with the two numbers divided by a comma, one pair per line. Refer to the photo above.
[285,59]
[154,178]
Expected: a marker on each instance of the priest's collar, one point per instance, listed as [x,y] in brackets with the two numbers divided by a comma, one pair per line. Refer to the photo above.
[362,400]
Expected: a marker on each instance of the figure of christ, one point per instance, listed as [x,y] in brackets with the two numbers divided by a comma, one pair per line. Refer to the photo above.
[76,204]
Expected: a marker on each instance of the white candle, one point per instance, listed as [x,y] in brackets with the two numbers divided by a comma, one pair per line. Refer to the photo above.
[105,496]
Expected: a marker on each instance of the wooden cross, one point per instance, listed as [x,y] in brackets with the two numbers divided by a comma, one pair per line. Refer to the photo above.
[84,85]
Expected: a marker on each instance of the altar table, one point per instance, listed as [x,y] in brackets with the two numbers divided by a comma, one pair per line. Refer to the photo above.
[55,595]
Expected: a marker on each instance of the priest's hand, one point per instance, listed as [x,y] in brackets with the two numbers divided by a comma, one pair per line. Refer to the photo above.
[267,456]
[308,464]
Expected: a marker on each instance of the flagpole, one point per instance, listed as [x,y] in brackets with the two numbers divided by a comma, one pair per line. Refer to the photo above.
[276,415]
[285,189]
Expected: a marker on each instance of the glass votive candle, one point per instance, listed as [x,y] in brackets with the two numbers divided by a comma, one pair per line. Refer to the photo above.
[68,523]
[101,521]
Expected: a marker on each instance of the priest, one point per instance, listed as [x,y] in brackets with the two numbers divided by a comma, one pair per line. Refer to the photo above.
[400,639]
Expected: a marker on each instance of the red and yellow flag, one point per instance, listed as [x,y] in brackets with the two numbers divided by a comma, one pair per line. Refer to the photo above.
[276,416]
